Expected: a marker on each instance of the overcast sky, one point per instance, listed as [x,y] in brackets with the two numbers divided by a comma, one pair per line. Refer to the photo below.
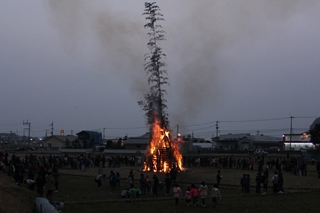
[249,64]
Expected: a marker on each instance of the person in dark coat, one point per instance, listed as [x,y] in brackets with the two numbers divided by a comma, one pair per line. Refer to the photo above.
[167,182]
[40,185]
[155,185]
[219,177]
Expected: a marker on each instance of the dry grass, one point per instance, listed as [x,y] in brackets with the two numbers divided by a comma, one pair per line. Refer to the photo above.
[14,198]
[80,194]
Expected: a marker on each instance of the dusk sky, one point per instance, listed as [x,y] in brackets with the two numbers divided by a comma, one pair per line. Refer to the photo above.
[249,64]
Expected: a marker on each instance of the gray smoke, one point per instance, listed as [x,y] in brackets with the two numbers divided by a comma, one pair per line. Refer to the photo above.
[200,35]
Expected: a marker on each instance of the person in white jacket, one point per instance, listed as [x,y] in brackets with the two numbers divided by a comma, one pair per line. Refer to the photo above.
[215,193]
[177,193]
[203,192]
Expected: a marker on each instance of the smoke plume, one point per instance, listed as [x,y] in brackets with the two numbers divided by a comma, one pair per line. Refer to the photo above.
[200,37]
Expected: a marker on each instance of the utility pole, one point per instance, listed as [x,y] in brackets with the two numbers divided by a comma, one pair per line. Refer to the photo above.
[24,136]
[28,124]
[51,128]
[291,117]
[191,142]
[104,133]
[217,128]
[177,131]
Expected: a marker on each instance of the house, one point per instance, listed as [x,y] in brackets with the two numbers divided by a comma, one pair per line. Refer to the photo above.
[263,142]
[9,137]
[90,138]
[56,142]
[203,146]
[140,143]
[228,141]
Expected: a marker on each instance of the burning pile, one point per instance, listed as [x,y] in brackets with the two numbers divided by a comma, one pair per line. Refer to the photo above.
[162,155]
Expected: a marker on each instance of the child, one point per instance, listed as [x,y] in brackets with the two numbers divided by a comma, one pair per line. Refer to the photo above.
[215,193]
[195,195]
[203,191]
[188,196]
[176,193]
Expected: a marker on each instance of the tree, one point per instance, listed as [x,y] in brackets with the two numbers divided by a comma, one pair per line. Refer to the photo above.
[109,144]
[118,145]
[315,134]
[154,103]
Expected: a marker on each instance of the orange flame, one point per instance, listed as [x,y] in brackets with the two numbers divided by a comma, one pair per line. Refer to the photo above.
[162,154]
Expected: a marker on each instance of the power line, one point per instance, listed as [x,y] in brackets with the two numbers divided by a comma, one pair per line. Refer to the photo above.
[245,121]
[198,124]
[259,120]
[202,126]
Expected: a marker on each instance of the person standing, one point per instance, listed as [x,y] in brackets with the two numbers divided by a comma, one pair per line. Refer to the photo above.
[20,173]
[280,182]
[173,174]
[143,184]
[167,182]
[130,181]
[100,171]
[55,175]
[118,178]
[155,185]
[219,177]
[258,182]
[195,194]
[203,192]
[215,193]
[188,196]
[265,181]
[49,186]
[177,193]
[112,180]
[248,184]
[40,185]
[243,183]
[318,169]
[275,180]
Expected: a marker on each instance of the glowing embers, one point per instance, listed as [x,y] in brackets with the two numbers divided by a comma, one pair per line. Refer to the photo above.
[162,154]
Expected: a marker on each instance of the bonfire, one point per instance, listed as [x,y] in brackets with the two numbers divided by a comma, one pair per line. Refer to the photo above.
[162,154]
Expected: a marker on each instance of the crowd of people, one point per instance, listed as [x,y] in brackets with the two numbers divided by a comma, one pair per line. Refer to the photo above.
[43,174]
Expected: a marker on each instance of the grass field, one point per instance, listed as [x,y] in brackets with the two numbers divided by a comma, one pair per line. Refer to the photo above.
[79,193]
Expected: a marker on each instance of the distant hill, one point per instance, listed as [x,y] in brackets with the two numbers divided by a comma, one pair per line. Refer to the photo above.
[14,198]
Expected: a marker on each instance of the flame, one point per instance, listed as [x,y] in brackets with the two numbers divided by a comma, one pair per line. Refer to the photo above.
[162,154]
